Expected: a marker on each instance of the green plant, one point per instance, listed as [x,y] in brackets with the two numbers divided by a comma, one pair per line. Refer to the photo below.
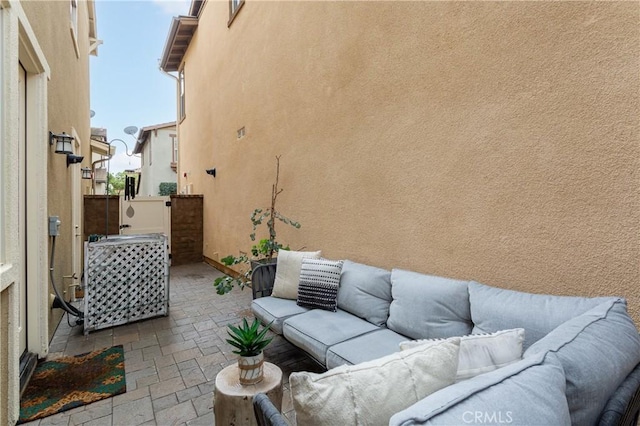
[264,249]
[248,339]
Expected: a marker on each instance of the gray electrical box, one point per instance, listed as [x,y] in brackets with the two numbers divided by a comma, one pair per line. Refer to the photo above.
[54,226]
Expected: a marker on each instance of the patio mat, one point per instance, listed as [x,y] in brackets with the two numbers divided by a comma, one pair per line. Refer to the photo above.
[69,382]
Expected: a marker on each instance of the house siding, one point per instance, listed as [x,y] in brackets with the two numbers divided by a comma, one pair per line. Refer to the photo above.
[37,36]
[494,141]
[157,156]
[68,108]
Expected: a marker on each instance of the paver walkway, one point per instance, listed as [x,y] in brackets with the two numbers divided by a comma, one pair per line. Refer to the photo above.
[171,362]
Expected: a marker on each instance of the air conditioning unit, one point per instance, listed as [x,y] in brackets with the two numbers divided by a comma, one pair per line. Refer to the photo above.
[101,175]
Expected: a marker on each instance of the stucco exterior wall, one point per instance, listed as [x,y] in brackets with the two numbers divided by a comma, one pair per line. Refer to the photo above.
[493,141]
[157,156]
[68,110]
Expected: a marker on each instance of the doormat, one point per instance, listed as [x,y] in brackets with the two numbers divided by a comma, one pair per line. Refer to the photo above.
[69,382]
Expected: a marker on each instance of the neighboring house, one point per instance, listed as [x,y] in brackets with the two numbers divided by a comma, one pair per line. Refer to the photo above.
[158,147]
[495,141]
[100,149]
[44,71]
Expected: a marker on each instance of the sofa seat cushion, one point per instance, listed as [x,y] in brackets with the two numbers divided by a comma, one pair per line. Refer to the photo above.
[371,392]
[428,307]
[529,392]
[315,331]
[481,353]
[268,309]
[597,349]
[365,291]
[494,309]
[364,348]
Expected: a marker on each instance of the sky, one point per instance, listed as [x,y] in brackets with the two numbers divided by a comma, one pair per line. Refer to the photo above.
[127,88]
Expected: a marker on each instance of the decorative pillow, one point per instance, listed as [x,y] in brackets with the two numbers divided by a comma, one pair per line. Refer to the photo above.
[285,285]
[481,353]
[371,392]
[319,282]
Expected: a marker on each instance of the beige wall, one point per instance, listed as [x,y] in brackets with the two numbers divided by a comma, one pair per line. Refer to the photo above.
[494,141]
[68,108]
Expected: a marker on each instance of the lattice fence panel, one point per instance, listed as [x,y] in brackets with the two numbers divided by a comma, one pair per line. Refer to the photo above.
[126,280]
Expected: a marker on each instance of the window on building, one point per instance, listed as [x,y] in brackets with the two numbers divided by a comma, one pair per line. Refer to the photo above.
[181,83]
[174,144]
[149,147]
[234,8]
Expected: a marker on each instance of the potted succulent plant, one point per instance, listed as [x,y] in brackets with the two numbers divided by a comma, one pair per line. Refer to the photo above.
[262,252]
[249,342]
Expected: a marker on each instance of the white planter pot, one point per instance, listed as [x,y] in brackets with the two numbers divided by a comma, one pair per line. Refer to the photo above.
[251,369]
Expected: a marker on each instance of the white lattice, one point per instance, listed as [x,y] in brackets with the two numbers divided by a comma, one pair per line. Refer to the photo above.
[126,280]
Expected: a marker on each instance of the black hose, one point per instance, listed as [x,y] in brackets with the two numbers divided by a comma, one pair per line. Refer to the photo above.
[70,309]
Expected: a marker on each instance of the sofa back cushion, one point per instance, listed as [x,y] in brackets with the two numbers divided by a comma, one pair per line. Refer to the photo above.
[365,291]
[428,307]
[494,309]
[597,349]
[529,392]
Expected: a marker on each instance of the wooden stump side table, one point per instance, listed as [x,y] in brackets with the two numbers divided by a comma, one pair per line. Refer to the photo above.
[233,402]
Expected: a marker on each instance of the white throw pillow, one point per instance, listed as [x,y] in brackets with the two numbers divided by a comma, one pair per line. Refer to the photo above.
[285,285]
[371,392]
[481,353]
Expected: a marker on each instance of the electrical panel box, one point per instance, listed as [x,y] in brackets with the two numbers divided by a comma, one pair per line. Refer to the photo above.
[54,226]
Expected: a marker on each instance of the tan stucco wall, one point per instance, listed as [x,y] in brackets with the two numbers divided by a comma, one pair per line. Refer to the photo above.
[494,141]
[68,107]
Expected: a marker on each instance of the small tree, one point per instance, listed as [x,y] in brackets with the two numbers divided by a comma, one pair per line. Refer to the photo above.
[115,183]
[265,247]
[269,246]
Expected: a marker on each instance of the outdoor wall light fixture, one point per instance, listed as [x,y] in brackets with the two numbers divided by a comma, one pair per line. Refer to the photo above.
[73,159]
[86,173]
[211,172]
[62,141]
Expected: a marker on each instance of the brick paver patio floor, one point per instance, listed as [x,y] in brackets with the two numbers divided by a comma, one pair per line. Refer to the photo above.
[171,362]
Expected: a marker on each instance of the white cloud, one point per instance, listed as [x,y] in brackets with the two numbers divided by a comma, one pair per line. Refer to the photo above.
[174,7]
[121,162]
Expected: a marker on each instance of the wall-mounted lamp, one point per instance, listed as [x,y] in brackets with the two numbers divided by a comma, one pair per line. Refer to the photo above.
[63,142]
[73,159]
[86,173]
[211,172]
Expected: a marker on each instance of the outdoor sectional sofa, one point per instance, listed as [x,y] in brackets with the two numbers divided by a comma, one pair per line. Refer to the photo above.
[580,361]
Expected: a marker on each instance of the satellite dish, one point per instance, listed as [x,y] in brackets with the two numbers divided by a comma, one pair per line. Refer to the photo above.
[91,113]
[131,130]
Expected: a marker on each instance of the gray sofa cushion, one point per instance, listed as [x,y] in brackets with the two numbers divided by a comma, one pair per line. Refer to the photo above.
[364,348]
[268,309]
[427,307]
[494,309]
[597,349]
[316,330]
[365,291]
[529,392]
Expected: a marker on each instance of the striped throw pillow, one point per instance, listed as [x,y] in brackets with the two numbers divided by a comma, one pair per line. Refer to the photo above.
[319,282]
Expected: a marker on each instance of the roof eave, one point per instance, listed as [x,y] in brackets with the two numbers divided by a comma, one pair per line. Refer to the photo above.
[180,35]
